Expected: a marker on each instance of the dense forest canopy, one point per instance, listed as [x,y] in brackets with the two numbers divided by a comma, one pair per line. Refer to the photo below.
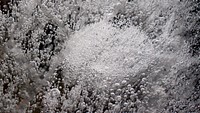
[99,56]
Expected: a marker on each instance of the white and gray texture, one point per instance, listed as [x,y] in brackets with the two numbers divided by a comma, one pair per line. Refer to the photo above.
[100,56]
